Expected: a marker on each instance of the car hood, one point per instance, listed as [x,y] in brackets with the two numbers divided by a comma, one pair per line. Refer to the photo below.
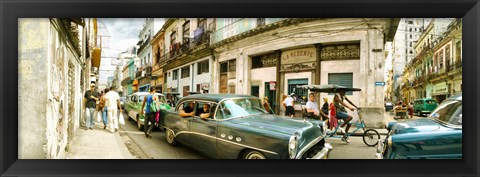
[279,124]
[417,125]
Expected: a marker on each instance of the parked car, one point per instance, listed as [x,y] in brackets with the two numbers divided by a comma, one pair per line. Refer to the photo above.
[388,106]
[424,106]
[134,104]
[438,136]
[122,101]
[240,127]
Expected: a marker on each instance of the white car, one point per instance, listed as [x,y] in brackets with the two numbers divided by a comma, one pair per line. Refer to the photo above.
[134,104]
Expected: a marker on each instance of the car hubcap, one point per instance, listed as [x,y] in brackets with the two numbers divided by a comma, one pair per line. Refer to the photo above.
[255,155]
[170,136]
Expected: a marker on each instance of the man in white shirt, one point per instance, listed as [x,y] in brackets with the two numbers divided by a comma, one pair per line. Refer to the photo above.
[113,103]
[290,111]
[312,107]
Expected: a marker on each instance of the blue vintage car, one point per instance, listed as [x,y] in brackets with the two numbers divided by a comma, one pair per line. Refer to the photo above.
[238,127]
[438,136]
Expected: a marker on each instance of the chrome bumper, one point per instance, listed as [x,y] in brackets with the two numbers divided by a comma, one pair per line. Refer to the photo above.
[323,154]
[380,147]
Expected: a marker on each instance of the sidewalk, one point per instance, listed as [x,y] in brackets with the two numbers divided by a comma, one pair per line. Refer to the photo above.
[98,144]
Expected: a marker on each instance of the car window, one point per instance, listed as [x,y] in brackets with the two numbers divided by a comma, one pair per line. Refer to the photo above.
[184,106]
[200,108]
[431,102]
[241,107]
[456,118]
[446,110]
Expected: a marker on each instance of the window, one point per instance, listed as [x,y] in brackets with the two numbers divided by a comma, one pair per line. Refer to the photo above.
[229,67]
[447,55]
[202,23]
[175,74]
[224,67]
[410,29]
[342,79]
[198,87]
[186,28]
[458,52]
[148,58]
[440,60]
[185,72]
[410,22]
[448,112]
[410,36]
[410,44]
[202,67]
[173,37]
[301,95]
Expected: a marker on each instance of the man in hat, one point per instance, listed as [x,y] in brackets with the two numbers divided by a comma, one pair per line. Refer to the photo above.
[89,102]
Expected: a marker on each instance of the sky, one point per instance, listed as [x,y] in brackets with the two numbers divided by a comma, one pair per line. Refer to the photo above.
[118,34]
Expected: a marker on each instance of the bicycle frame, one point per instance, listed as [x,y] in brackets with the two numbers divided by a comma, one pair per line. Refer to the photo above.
[359,125]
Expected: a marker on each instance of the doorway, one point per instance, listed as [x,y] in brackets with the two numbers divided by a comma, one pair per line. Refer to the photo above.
[271,94]
[255,90]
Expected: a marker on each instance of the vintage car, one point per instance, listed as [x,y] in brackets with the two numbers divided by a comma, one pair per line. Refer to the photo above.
[438,136]
[424,106]
[134,104]
[239,127]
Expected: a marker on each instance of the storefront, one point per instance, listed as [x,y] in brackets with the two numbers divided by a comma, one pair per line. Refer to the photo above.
[440,91]
[144,84]
[157,79]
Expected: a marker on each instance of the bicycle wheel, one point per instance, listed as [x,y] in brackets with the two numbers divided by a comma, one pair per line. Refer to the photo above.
[371,137]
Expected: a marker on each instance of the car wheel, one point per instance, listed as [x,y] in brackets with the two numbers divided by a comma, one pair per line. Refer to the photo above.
[139,126]
[250,154]
[371,137]
[170,137]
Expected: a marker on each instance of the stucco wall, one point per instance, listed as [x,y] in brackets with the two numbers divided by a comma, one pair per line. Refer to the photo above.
[48,117]
[32,95]
[260,76]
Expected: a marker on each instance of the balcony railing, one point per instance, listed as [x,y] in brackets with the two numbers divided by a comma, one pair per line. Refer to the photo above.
[162,59]
[138,74]
[239,26]
[148,71]
[187,45]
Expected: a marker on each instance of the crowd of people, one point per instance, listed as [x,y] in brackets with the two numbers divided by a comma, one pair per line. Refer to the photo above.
[105,104]
[328,112]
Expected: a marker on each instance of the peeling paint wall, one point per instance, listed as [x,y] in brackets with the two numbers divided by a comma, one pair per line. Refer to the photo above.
[32,95]
[49,83]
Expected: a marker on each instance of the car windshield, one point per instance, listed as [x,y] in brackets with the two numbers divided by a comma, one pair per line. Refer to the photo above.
[240,107]
[448,110]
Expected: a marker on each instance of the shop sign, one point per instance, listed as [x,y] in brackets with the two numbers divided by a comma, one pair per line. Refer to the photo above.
[272,85]
[440,88]
[299,55]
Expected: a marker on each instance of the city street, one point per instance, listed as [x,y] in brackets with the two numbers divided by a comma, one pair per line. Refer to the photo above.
[157,147]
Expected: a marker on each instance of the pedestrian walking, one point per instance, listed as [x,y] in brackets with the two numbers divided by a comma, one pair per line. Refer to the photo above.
[283,107]
[113,103]
[149,112]
[89,102]
[104,108]
[410,109]
[289,110]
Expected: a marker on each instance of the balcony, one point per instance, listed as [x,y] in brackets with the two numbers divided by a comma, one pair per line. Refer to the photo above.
[187,46]
[162,59]
[138,74]
[148,71]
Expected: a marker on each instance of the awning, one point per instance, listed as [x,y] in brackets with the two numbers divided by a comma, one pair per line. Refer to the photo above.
[97,54]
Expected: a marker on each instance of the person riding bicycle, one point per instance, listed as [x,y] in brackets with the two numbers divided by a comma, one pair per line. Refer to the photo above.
[340,105]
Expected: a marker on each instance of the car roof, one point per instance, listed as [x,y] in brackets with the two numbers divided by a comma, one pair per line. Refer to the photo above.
[457,97]
[215,97]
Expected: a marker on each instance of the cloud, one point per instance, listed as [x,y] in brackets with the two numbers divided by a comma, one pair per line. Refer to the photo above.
[123,33]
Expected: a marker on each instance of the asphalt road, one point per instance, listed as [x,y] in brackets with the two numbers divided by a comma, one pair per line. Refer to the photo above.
[157,147]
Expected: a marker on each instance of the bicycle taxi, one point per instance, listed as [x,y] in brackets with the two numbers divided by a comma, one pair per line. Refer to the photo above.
[370,136]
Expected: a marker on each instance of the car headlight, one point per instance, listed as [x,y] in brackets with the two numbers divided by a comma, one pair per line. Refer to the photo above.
[292,146]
